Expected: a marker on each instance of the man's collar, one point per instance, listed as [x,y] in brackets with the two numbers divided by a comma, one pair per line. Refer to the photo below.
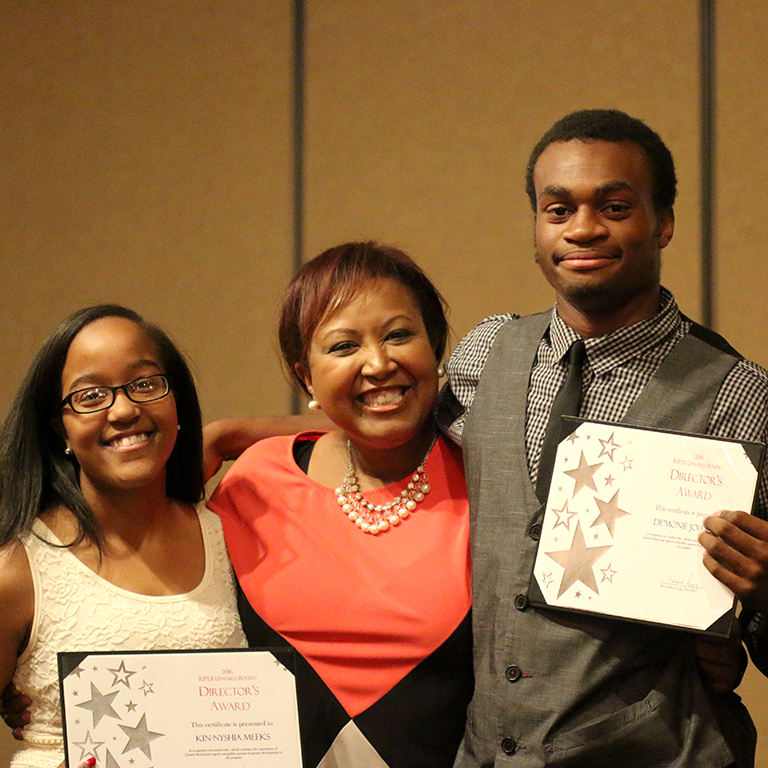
[561,335]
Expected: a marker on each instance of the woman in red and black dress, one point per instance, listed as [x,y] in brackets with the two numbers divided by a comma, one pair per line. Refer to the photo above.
[352,546]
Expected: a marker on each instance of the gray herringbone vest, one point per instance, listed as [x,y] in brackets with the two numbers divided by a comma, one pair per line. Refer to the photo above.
[557,688]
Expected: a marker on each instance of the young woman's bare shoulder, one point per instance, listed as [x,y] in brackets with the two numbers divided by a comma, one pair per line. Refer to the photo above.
[15,576]
[17,596]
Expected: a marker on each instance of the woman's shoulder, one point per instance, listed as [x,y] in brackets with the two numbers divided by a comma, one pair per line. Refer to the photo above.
[269,444]
[269,461]
[447,462]
[16,584]
[17,596]
[271,451]
[13,557]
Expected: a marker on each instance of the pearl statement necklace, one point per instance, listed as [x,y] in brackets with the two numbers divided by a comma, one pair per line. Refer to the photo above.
[377,518]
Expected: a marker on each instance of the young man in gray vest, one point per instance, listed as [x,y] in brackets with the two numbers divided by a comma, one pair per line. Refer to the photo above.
[558,688]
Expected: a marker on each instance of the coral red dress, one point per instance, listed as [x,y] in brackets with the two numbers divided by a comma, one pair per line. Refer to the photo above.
[380,624]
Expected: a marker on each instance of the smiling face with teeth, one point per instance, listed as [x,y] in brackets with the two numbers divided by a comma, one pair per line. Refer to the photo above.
[126,446]
[372,369]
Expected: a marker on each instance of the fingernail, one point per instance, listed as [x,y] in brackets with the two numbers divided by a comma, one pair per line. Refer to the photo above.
[91,761]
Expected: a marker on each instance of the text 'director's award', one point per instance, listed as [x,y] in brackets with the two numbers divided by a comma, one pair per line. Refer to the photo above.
[621,523]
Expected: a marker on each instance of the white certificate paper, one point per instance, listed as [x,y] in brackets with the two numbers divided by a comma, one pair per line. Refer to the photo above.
[170,709]
[624,511]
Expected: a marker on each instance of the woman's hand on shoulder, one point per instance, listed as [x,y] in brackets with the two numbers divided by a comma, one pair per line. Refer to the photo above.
[14,709]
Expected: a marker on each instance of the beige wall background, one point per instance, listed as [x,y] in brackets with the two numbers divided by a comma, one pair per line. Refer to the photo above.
[147,159]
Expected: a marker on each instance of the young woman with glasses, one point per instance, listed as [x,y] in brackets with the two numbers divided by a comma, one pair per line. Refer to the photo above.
[103,547]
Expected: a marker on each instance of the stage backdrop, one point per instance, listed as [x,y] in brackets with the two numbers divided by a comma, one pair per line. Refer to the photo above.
[149,158]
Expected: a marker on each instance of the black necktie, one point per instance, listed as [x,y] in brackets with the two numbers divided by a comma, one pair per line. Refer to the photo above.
[566,403]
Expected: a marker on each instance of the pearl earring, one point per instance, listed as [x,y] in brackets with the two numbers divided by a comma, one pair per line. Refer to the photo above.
[68,451]
[440,372]
[313,405]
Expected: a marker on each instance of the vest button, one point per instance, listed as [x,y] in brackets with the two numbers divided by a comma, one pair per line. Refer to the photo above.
[513,673]
[508,746]
[521,602]
[535,531]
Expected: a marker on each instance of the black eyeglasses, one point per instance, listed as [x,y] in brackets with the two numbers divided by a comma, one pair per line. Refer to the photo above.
[142,390]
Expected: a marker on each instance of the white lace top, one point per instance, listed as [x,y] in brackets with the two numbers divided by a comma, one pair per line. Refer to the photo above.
[77,610]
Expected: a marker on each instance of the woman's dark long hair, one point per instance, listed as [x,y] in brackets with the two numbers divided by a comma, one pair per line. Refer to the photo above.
[36,474]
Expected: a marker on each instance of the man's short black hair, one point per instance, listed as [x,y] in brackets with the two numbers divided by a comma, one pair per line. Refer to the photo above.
[612,125]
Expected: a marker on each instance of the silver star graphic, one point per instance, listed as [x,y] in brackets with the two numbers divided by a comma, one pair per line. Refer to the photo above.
[100,705]
[146,688]
[583,475]
[608,574]
[130,706]
[609,512]
[88,747]
[140,737]
[608,447]
[564,517]
[111,762]
[78,670]
[121,675]
[546,579]
[573,437]
[627,464]
[608,480]
[577,562]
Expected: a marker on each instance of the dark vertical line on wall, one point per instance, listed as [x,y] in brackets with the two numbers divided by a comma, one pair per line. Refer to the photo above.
[708,108]
[298,152]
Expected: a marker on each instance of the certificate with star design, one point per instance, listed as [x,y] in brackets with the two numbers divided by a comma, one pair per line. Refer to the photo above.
[620,527]
[169,709]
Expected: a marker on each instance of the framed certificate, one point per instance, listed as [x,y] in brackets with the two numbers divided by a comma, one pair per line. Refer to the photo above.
[169,709]
[620,527]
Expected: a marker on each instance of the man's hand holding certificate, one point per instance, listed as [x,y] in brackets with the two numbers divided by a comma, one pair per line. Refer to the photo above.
[737,554]
[621,529]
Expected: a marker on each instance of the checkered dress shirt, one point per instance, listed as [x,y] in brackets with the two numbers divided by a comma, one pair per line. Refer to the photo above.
[618,366]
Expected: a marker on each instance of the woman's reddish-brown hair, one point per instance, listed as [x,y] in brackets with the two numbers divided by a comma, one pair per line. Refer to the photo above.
[332,279]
